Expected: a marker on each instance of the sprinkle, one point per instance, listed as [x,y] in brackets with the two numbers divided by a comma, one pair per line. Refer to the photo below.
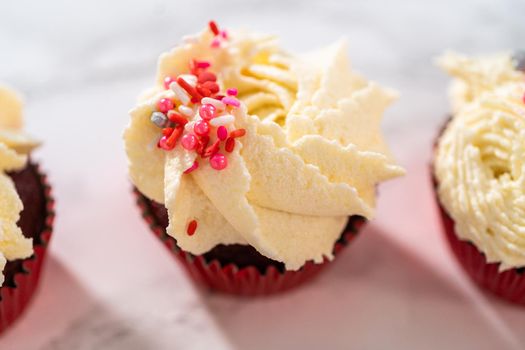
[215,103]
[163,143]
[189,89]
[214,28]
[167,131]
[207,111]
[222,133]
[194,166]
[177,118]
[215,43]
[190,78]
[224,34]
[211,150]
[169,142]
[203,91]
[232,101]
[230,144]
[181,94]
[201,128]
[201,64]
[189,141]
[164,105]
[167,82]
[238,133]
[206,76]
[218,161]
[192,227]
[232,92]
[222,120]
[159,119]
[212,86]
[185,110]
[203,143]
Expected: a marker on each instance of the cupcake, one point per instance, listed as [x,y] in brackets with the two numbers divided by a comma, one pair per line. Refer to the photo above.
[479,171]
[253,165]
[26,213]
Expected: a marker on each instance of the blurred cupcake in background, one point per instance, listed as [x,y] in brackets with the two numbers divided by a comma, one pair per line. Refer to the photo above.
[479,170]
[26,212]
[253,165]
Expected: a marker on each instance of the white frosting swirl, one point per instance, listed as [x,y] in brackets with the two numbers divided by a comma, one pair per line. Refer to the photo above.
[312,154]
[479,162]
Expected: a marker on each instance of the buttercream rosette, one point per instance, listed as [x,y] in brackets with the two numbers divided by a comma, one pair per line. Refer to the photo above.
[311,156]
[480,169]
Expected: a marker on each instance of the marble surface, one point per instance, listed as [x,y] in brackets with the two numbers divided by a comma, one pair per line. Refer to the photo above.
[110,285]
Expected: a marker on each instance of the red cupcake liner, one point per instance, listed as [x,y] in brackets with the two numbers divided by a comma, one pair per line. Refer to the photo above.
[245,281]
[13,301]
[508,285]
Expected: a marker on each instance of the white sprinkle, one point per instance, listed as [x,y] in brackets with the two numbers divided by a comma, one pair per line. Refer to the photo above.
[180,93]
[222,120]
[189,126]
[215,103]
[190,79]
[185,110]
[190,39]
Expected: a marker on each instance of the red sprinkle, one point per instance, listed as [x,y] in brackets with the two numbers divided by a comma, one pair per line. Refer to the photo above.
[230,145]
[189,89]
[206,76]
[211,150]
[237,133]
[177,118]
[232,92]
[189,141]
[201,64]
[203,143]
[194,166]
[167,131]
[214,28]
[192,227]
[222,133]
[212,86]
[203,91]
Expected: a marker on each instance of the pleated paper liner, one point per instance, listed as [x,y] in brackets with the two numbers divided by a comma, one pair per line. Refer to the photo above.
[15,295]
[509,285]
[246,280]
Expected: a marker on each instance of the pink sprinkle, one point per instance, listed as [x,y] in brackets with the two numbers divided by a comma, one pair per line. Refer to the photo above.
[189,141]
[201,128]
[232,92]
[215,43]
[164,105]
[194,166]
[202,64]
[167,82]
[224,34]
[222,133]
[218,161]
[164,144]
[207,111]
[232,101]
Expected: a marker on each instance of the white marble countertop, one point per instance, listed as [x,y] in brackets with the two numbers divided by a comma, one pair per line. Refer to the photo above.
[110,285]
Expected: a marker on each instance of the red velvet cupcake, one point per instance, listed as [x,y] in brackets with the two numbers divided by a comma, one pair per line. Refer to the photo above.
[255,166]
[26,214]
[479,171]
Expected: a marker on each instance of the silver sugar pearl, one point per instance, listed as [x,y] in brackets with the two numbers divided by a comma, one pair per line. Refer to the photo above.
[159,119]
[519,60]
